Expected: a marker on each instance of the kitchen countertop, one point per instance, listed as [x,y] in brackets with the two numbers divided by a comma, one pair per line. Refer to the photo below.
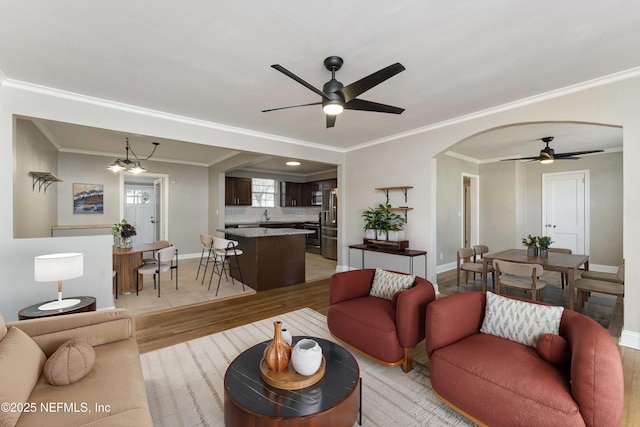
[264,232]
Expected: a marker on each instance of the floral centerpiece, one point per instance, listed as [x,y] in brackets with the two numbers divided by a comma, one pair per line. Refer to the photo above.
[531,242]
[123,233]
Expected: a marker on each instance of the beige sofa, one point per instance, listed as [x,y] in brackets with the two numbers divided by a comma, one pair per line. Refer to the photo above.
[111,394]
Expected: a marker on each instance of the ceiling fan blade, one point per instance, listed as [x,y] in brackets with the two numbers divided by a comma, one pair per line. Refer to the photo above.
[292,106]
[576,153]
[361,86]
[331,120]
[299,80]
[361,104]
[522,158]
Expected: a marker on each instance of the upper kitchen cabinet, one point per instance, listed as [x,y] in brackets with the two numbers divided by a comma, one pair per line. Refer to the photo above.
[327,184]
[294,194]
[237,191]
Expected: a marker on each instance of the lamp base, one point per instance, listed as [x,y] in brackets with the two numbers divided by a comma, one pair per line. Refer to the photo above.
[59,304]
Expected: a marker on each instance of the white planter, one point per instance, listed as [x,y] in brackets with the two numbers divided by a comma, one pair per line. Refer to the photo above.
[306,357]
[382,235]
[396,236]
[370,234]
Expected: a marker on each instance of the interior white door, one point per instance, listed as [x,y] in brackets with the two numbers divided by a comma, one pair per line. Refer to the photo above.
[565,210]
[139,208]
[158,217]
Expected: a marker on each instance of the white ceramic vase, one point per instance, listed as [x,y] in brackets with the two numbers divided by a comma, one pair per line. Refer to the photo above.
[306,357]
[286,335]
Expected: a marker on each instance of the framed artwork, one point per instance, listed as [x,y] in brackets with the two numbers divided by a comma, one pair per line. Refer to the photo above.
[88,199]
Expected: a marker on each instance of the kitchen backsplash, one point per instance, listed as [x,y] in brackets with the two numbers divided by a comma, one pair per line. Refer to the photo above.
[240,214]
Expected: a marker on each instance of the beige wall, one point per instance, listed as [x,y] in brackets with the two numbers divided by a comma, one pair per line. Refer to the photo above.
[35,210]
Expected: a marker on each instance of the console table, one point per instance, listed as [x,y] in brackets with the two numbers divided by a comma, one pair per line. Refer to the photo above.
[409,253]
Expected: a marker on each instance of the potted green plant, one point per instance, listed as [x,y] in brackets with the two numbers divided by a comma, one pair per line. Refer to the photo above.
[544,242]
[531,242]
[384,220]
[371,218]
[396,228]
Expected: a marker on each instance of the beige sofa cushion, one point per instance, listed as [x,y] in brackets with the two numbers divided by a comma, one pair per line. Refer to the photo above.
[69,363]
[3,327]
[21,362]
[113,392]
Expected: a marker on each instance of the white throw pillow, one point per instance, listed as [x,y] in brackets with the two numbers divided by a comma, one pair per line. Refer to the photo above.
[386,283]
[519,321]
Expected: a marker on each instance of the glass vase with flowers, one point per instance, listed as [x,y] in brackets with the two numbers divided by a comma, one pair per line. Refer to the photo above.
[123,233]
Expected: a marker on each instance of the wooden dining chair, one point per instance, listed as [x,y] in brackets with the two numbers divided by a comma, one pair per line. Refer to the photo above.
[516,275]
[563,276]
[465,261]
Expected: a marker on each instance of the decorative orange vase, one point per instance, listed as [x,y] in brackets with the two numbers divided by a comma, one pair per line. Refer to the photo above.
[278,352]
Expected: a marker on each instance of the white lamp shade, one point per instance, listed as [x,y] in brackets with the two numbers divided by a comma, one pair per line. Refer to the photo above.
[55,267]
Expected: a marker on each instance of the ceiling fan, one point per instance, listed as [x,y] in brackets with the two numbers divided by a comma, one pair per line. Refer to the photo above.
[336,97]
[548,155]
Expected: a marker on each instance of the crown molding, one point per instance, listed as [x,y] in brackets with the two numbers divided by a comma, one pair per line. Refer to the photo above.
[58,93]
[556,93]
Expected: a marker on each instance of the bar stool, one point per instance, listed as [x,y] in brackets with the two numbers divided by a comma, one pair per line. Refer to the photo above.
[224,250]
[207,246]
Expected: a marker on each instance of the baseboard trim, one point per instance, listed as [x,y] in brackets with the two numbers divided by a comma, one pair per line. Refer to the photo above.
[446,267]
[630,339]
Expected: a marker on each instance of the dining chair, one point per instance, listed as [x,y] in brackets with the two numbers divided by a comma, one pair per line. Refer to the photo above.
[479,251]
[465,261]
[205,256]
[586,286]
[152,260]
[521,276]
[225,250]
[166,260]
[563,276]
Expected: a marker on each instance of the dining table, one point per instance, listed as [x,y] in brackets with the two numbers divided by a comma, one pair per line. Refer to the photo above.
[126,262]
[564,263]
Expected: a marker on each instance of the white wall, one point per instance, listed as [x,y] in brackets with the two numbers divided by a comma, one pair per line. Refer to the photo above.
[408,161]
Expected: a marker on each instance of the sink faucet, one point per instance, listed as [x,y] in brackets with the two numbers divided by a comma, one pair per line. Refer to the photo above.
[266,215]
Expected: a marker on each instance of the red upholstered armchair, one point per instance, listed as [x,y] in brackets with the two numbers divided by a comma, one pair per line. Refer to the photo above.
[384,330]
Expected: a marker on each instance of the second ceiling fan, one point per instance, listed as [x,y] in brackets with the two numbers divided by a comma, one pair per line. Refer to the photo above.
[336,97]
[548,155]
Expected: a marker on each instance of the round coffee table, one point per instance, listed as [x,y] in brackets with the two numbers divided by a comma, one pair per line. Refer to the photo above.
[334,400]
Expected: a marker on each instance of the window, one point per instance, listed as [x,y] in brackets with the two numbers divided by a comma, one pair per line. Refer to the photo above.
[263,192]
[137,197]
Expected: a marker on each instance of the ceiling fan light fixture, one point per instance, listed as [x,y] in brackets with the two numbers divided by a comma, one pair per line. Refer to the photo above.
[293,163]
[546,161]
[333,107]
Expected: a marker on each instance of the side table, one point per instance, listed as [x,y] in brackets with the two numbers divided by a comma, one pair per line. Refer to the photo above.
[32,312]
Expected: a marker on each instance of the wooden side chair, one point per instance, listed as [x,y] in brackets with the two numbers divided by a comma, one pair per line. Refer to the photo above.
[563,276]
[479,251]
[521,276]
[465,261]
[609,287]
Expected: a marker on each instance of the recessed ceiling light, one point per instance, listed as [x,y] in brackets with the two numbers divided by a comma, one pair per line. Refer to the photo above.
[292,163]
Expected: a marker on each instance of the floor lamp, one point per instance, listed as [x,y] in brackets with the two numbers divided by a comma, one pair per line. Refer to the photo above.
[58,267]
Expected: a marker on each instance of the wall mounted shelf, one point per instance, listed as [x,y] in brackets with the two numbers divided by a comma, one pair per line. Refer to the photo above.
[402,188]
[43,179]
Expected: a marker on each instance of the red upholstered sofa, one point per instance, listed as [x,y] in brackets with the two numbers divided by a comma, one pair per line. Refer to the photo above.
[386,331]
[500,382]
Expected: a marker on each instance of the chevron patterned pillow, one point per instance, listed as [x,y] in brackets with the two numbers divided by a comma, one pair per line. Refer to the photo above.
[519,321]
[386,283]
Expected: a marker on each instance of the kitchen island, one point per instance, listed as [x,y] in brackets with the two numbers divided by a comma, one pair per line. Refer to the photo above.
[272,257]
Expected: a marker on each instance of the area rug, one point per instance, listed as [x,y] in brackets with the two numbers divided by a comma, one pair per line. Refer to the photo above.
[185,382]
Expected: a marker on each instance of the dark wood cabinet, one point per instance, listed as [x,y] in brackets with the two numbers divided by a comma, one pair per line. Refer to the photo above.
[294,194]
[237,191]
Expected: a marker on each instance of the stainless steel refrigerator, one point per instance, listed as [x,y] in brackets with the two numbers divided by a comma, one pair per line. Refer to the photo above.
[329,224]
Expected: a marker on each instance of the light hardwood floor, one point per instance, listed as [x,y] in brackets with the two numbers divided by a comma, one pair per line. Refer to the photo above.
[168,327]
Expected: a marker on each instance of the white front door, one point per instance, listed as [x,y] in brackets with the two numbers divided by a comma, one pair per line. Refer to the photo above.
[565,210]
[139,209]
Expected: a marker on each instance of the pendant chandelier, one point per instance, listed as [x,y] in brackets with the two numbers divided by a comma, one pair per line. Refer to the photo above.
[133,166]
